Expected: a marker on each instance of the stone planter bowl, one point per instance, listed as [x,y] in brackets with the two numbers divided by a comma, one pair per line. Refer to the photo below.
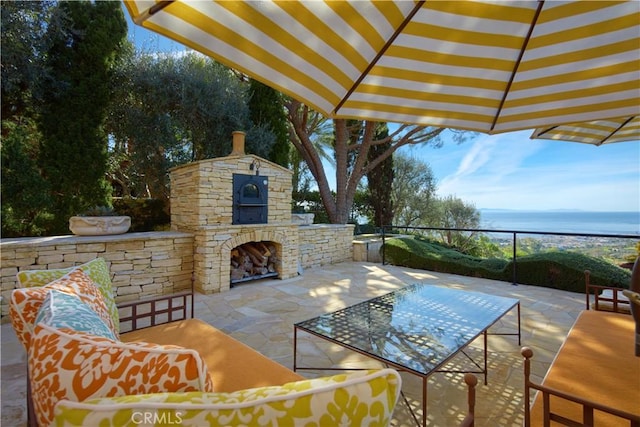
[99,225]
[302,218]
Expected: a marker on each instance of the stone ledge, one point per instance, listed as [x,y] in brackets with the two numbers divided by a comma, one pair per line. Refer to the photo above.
[71,239]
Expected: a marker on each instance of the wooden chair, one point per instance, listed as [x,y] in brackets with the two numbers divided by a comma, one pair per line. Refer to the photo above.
[471,382]
[633,294]
[608,298]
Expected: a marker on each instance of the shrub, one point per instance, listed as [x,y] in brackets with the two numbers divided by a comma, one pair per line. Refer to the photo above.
[429,255]
[559,270]
[565,270]
[146,214]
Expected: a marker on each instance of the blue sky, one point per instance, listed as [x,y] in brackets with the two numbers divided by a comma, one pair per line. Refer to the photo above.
[511,171]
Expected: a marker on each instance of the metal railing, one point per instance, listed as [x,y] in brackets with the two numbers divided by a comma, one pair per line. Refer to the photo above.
[514,236]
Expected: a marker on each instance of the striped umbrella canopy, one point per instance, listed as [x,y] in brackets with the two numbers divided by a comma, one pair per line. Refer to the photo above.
[597,132]
[485,66]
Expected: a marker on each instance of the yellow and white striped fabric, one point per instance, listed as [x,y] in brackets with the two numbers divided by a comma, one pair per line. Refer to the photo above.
[486,66]
[597,132]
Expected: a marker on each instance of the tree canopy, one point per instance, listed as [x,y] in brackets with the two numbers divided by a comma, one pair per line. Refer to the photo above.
[171,110]
[87,116]
[76,95]
[352,161]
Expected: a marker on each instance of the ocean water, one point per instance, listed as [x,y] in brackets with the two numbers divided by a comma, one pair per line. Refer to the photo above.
[562,221]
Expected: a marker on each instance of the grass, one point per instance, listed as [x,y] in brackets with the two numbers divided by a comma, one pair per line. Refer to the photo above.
[553,269]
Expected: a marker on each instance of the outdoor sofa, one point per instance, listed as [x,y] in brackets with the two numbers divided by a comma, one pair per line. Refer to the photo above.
[82,371]
[169,368]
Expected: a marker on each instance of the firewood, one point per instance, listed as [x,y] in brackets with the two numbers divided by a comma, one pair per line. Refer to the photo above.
[258,271]
[264,249]
[253,259]
[259,256]
[237,274]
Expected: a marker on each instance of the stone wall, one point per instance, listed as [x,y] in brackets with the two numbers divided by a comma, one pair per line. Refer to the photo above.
[155,263]
[322,244]
[142,264]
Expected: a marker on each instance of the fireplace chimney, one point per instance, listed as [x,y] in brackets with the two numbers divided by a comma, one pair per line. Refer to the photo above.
[238,143]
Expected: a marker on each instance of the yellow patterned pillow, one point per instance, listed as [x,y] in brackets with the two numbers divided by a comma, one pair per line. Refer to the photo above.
[96,269]
[25,303]
[364,398]
[73,365]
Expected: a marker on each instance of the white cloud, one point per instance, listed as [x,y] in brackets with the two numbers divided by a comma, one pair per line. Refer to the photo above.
[488,165]
[475,159]
[510,171]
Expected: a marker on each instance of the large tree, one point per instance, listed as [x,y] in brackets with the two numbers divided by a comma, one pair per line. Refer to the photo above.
[25,194]
[73,153]
[351,155]
[24,26]
[413,192]
[170,110]
[380,180]
[266,109]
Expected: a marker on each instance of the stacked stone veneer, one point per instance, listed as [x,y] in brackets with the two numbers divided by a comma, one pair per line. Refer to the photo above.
[202,204]
[202,192]
[322,244]
[141,264]
[212,260]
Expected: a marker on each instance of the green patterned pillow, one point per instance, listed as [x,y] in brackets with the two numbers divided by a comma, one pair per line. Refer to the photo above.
[96,269]
[364,398]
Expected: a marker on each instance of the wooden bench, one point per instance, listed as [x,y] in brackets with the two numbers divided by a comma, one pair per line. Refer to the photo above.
[594,379]
[471,381]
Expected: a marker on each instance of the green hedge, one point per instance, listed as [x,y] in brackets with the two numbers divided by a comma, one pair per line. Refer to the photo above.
[565,270]
[559,270]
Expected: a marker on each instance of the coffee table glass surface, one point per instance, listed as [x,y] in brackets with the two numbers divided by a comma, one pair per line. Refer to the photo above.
[418,328]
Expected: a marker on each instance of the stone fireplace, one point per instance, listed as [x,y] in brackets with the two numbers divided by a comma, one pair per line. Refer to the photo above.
[208,197]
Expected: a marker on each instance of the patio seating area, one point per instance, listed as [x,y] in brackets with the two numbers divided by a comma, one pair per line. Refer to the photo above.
[261,314]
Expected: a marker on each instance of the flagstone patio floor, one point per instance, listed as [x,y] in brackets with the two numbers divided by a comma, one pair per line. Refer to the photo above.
[262,313]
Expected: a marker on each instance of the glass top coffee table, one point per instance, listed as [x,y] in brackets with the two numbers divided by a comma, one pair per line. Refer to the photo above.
[417,329]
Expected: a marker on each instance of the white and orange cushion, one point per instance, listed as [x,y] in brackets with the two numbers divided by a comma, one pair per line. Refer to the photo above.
[72,365]
[97,270]
[25,303]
